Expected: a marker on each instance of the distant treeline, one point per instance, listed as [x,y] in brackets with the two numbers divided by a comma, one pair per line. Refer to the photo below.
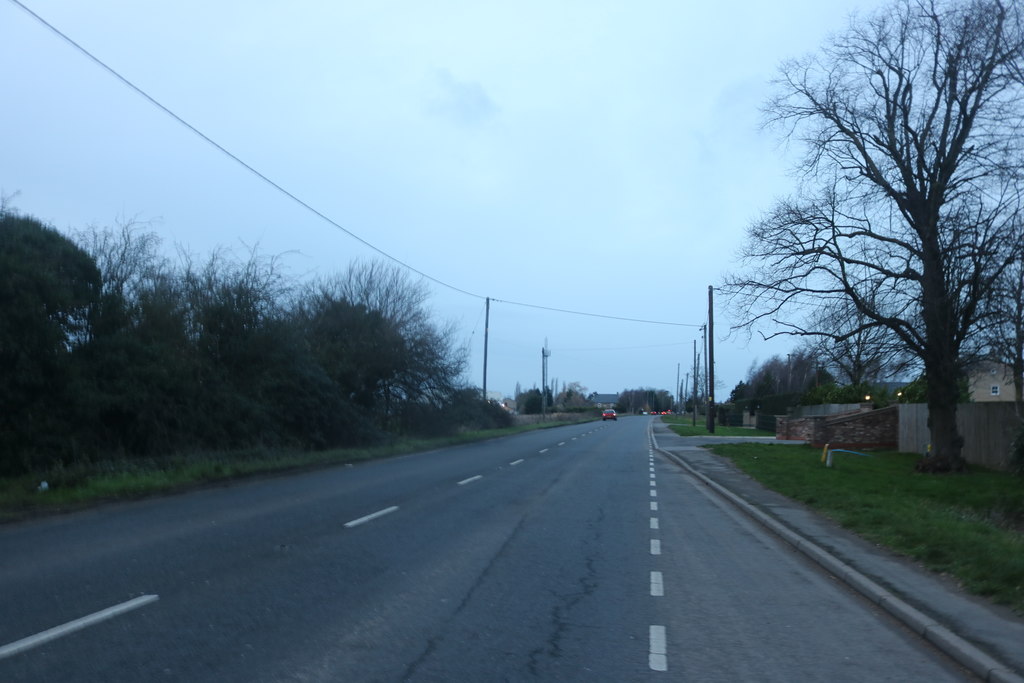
[109,350]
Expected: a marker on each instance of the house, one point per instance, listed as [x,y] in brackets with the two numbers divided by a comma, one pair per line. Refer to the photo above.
[990,381]
[604,400]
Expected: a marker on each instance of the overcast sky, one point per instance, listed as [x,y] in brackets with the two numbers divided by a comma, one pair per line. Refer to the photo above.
[599,157]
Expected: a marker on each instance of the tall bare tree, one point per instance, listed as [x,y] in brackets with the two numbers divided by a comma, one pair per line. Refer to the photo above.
[912,120]
[855,352]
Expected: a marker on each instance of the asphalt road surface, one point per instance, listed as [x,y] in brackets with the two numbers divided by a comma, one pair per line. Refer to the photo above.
[567,554]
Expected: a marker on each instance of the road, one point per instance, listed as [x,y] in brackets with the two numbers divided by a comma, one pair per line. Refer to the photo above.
[567,554]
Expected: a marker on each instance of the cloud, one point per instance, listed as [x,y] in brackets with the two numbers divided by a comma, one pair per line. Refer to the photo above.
[460,102]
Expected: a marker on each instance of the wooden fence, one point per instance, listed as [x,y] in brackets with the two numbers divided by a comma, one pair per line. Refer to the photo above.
[988,430]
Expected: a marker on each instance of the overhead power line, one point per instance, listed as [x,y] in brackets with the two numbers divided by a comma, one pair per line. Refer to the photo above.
[210,141]
[229,154]
[595,315]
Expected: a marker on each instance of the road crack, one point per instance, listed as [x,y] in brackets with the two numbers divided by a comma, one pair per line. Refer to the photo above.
[565,603]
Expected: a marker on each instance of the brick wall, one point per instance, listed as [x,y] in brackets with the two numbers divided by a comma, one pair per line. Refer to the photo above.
[874,429]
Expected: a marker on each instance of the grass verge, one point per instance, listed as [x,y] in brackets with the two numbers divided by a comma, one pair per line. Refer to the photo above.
[683,426]
[85,484]
[970,526]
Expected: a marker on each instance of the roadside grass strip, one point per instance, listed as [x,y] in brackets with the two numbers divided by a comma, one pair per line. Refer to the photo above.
[969,526]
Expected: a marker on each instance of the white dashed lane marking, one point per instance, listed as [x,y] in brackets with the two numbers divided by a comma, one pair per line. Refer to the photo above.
[658,658]
[657,584]
[76,625]
[370,517]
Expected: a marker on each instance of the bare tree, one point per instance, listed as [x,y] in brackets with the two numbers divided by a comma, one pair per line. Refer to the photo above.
[7,202]
[572,395]
[386,288]
[912,122]
[128,257]
[856,352]
[417,359]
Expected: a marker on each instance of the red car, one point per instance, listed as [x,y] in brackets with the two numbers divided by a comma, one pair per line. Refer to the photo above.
[609,415]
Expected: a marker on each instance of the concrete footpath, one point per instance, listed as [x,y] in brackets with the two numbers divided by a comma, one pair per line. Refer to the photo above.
[986,639]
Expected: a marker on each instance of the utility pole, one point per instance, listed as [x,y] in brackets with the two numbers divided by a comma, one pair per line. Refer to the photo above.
[544,353]
[684,388]
[679,388]
[711,360]
[696,373]
[704,350]
[487,329]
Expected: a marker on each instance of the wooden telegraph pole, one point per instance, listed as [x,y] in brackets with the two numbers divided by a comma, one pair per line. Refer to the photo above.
[711,360]
[487,329]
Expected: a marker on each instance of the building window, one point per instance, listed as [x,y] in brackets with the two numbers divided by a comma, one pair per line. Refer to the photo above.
[995,389]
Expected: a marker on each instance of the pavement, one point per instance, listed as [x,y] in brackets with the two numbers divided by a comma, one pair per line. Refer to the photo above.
[984,638]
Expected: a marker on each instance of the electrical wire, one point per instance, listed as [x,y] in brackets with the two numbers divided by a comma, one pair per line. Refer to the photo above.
[595,315]
[622,348]
[231,155]
[96,60]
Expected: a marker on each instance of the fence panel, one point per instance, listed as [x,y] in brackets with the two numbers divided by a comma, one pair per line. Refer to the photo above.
[765,422]
[988,430]
[914,434]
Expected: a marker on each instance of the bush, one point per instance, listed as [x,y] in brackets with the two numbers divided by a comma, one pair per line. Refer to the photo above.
[465,411]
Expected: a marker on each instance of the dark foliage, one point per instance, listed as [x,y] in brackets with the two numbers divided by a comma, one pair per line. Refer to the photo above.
[114,354]
[531,402]
[49,291]
[649,400]
[465,411]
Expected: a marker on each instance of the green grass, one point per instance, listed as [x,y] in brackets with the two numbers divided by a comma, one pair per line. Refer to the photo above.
[968,526]
[86,484]
[683,426]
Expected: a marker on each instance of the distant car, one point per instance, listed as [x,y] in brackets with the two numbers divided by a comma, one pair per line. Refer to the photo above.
[609,415]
